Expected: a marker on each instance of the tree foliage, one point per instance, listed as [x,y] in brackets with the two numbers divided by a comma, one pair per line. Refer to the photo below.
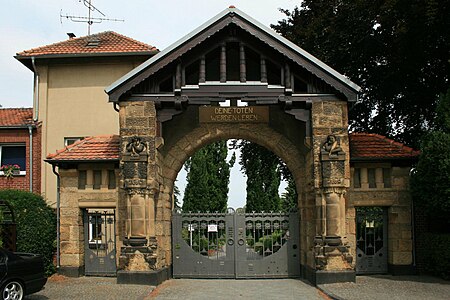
[261,167]
[431,180]
[36,224]
[396,50]
[208,176]
[289,199]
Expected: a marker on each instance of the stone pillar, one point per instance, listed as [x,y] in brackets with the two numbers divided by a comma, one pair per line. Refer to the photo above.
[138,261]
[333,262]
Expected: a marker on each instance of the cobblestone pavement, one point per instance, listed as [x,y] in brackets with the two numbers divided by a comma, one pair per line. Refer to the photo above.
[88,288]
[390,287]
[285,289]
[99,288]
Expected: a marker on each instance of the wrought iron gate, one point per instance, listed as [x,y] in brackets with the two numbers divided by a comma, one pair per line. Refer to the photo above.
[100,243]
[235,245]
[371,240]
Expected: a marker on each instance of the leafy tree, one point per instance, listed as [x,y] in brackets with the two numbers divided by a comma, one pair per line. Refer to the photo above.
[396,50]
[36,224]
[261,167]
[431,180]
[208,176]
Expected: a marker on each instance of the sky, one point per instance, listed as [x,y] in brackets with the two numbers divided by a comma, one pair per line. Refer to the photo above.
[27,24]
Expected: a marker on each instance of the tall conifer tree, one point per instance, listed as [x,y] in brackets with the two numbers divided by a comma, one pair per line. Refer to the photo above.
[208,176]
[261,167]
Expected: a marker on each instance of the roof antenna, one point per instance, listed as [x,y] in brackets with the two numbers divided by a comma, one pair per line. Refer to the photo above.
[89,19]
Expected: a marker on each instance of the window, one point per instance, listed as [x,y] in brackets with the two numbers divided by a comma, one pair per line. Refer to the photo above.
[300,86]
[71,140]
[97,179]
[192,73]
[95,228]
[212,64]
[371,177]
[387,177]
[252,65]
[82,180]
[357,178]
[233,61]
[273,73]
[14,155]
[111,179]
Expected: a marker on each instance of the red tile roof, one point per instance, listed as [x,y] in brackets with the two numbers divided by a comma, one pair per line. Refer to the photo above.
[104,147]
[370,146]
[104,42]
[14,117]
[367,146]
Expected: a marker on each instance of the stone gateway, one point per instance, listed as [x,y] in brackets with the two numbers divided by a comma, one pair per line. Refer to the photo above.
[289,102]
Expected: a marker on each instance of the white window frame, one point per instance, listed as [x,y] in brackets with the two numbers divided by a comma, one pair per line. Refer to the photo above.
[74,139]
[21,173]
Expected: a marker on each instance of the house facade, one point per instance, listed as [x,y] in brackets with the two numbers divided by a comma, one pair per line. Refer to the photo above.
[20,146]
[69,78]
[116,191]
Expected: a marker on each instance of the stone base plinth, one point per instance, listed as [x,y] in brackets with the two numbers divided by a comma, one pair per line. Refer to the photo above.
[323,277]
[71,271]
[144,277]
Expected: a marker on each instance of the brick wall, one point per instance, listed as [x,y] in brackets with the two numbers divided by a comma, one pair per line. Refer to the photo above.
[22,182]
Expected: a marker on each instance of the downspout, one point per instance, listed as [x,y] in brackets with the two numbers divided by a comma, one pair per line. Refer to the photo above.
[36,91]
[30,131]
[58,190]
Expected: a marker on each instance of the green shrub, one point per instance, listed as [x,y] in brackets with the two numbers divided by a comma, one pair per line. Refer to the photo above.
[36,224]
[438,262]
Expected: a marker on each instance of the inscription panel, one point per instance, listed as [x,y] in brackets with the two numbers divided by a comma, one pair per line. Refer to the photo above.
[234,114]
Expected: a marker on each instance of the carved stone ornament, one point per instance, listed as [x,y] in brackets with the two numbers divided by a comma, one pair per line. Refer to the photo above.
[332,148]
[135,150]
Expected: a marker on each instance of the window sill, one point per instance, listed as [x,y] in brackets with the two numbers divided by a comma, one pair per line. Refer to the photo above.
[21,173]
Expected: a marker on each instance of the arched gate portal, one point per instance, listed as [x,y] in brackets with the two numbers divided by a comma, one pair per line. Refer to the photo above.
[295,105]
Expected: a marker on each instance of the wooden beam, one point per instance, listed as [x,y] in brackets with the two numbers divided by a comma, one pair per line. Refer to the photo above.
[263,69]
[223,63]
[242,65]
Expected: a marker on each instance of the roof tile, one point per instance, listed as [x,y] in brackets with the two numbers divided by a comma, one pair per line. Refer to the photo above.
[362,146]
[104,147]
[10,117]
[103,42]
[375,146]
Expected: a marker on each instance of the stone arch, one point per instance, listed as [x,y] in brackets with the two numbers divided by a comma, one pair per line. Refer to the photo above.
[262,134]
[205,134]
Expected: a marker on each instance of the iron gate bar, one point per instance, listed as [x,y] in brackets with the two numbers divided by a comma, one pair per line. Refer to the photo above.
[100,243]
[371,240]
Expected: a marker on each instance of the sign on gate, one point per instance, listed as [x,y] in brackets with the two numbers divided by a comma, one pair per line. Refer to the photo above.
[235,245]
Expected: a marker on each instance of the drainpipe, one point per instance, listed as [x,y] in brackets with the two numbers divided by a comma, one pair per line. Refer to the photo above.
[36,91]
[58,189]
[30,131]
[115,107]
[413,225]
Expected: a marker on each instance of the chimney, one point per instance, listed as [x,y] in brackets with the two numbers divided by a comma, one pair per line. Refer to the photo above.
[71,35]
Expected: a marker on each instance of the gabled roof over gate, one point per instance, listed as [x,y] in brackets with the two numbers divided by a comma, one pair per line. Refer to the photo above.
[229,16]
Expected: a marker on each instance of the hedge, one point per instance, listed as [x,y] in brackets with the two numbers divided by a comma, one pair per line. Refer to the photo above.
[437,258]
[36,224]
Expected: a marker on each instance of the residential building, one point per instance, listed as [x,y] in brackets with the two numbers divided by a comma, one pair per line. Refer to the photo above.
[69,81]
[20,144]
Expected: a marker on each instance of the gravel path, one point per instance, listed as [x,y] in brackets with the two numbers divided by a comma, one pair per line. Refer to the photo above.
[390,287]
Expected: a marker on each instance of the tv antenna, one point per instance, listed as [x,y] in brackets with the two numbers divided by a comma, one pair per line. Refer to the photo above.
[89,19]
